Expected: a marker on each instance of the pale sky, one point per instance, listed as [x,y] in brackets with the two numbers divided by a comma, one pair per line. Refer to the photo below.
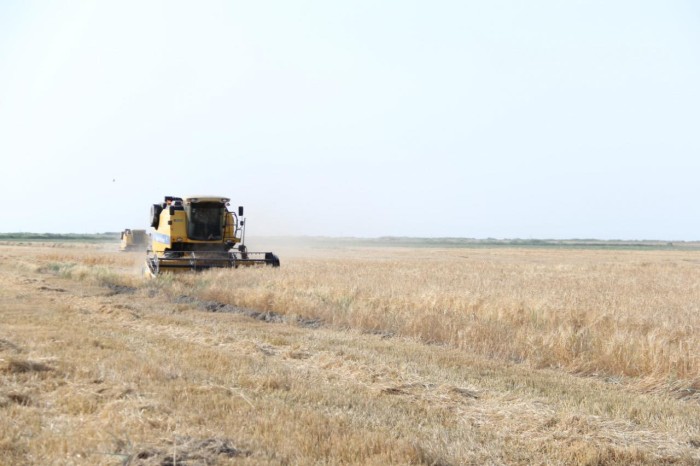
[506,119]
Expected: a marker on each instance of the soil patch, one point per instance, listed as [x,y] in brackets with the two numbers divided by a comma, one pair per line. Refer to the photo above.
[185,450]
[265,316]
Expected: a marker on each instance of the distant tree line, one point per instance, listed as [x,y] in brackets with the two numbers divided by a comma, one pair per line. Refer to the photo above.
[78,237]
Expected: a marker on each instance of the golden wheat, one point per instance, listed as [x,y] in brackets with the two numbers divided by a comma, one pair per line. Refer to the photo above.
[624,314]
[534,357]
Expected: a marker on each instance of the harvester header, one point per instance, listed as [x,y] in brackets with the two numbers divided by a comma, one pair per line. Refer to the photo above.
[198,233]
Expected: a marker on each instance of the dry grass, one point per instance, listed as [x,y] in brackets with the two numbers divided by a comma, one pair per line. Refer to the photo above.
[535,357]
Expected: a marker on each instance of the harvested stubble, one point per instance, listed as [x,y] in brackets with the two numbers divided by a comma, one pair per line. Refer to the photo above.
[98,366]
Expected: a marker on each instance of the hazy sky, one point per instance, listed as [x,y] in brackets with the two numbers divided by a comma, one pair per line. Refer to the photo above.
[529,119]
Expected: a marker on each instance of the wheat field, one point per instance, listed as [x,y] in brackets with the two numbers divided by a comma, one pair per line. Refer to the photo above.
[351,355]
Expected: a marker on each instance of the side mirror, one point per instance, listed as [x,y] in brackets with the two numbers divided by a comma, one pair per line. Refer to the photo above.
[240,211]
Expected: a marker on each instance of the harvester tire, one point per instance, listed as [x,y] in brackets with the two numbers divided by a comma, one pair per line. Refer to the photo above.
[156,209]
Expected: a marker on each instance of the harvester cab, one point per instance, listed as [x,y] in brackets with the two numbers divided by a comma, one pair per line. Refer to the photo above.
[199,233]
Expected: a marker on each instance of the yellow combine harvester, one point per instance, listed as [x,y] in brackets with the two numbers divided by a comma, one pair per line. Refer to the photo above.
[133,239]
[199,233]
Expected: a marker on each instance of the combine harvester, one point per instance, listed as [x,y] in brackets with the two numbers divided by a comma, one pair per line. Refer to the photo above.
[133,239]
[199,233]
